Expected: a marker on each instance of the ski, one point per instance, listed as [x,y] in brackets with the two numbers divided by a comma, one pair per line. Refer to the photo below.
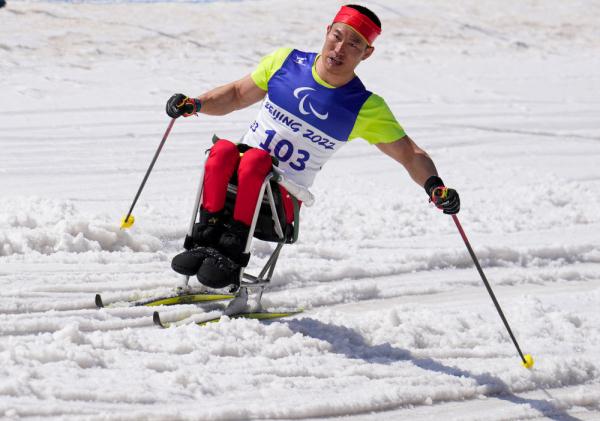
[259,315]
[167,300]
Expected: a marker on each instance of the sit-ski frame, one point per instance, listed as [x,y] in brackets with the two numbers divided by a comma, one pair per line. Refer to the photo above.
[248,281]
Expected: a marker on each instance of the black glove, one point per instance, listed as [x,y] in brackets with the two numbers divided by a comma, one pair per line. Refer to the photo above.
[180,105]
[441,196]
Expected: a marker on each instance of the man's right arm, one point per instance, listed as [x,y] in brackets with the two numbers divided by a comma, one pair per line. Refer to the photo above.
[231,97]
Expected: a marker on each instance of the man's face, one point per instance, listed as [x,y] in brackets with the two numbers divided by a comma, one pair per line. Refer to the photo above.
[344,49]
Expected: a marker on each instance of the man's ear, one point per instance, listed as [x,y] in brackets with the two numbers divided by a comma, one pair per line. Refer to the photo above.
[368,52]
[328,28]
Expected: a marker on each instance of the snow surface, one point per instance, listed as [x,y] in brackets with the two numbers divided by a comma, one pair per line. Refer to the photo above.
[505,96]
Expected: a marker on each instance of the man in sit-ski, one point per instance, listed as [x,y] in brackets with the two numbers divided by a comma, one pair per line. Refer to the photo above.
[313,104]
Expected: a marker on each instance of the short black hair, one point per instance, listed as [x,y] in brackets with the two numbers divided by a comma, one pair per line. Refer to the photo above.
[367,12]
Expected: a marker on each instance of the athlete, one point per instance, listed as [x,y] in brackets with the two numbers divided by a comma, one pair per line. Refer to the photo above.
[312,105]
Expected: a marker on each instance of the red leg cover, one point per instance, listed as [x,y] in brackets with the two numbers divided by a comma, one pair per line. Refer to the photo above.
[219,168]
[254,167]
[288,205]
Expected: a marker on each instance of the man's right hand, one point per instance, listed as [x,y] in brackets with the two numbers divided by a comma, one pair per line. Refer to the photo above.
[180,105]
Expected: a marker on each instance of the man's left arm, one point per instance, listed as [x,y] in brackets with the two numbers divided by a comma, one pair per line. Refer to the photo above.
[416,161]
[422,170]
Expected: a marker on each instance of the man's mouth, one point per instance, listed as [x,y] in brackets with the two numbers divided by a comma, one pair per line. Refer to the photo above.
[334,61]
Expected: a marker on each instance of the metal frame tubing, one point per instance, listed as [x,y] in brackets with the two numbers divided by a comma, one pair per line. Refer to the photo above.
[247,280]
[196,208]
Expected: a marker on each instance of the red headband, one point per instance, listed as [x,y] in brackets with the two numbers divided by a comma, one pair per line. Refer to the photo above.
[359,22]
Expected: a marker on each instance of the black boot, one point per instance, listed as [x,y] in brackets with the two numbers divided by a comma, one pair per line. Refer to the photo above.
[233,242]
[219,271]
[188,262]
[208,231]
[224,269]
[205,233]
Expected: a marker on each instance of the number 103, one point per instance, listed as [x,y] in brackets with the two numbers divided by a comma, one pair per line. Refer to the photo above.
[284,151]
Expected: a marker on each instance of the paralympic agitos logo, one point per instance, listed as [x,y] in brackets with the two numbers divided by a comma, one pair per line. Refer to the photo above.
[303,94]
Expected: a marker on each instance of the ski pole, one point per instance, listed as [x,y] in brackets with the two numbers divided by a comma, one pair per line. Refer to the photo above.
[128,220]
[527,358]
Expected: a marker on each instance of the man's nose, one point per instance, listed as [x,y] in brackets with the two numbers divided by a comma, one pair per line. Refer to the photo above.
[339,47]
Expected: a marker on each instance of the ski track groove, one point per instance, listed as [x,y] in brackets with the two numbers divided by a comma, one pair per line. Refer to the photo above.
[91,318]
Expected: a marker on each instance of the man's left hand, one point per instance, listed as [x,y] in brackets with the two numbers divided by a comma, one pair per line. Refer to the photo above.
[441,196]
[446,199]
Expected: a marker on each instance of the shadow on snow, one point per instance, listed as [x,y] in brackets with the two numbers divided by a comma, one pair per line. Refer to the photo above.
[351,344]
